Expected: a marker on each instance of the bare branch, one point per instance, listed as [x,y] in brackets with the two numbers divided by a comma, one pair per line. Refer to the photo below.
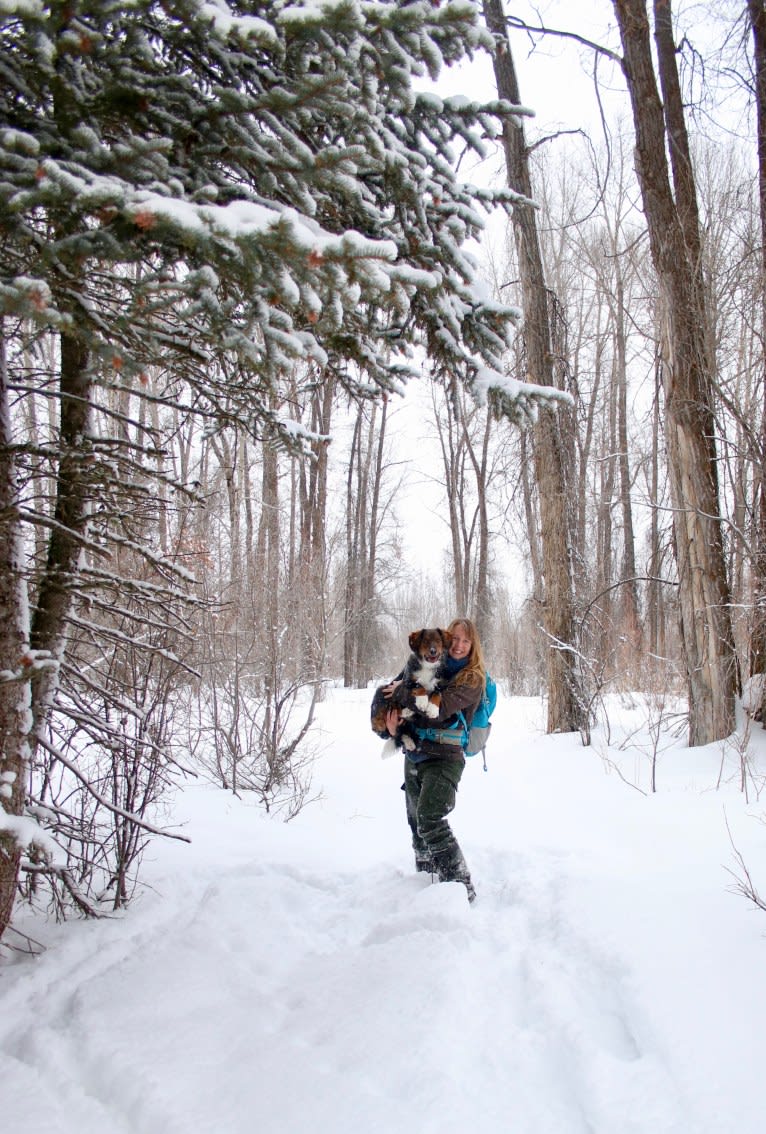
[130,816]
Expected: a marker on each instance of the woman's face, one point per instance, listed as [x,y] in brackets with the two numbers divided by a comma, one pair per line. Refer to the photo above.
[461,644]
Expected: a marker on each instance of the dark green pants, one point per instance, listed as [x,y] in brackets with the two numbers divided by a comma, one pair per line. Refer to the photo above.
[430,789]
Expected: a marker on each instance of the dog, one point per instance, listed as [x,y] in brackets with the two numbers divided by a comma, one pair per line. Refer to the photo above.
[418,688]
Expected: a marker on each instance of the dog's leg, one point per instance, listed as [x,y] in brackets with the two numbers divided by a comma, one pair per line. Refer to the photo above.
[427,704]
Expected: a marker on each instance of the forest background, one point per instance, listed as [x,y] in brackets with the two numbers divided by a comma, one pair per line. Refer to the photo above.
[213,507]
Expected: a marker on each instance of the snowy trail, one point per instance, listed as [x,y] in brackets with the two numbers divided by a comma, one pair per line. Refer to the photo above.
[315,1008]
[294,978]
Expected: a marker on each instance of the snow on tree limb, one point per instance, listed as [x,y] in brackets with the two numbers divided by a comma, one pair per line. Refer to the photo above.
[269,190]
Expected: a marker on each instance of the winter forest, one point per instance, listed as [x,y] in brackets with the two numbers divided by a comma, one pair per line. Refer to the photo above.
[298,353]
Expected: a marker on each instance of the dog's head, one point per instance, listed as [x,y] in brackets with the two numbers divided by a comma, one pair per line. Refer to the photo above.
[430,645]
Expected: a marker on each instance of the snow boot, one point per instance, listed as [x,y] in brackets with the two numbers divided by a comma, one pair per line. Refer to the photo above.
[451,867]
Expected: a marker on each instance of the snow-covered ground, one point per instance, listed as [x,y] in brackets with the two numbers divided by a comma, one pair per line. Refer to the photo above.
[286,978]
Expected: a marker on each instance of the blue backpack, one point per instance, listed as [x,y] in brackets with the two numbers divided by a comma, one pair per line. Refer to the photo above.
[471,739]
[481,726]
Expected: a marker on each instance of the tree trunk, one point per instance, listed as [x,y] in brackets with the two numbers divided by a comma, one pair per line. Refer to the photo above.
[372,518]
[687,377]
[630,629]
[655,613]
[268,561]
[55,596]
[564,704]
[451,443]
[530,515]
[757,15]
[15,695]
[363,489]
[351,600]
[482,605]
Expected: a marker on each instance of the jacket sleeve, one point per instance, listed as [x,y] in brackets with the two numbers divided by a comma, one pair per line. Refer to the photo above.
[455,699]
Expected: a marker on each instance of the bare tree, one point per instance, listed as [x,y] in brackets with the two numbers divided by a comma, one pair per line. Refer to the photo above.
[564,702]
[757,15]
[16,678]
[687,368]
[464,432]
[365,506]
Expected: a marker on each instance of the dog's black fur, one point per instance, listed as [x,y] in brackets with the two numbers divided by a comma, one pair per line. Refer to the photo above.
[418,689]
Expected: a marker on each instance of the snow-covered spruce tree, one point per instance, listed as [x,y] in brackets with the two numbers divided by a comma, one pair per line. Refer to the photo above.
[195,194]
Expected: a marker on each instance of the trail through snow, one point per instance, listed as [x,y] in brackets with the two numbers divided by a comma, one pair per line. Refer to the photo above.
[288,978]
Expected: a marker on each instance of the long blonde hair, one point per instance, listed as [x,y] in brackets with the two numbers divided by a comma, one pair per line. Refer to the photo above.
[475,673]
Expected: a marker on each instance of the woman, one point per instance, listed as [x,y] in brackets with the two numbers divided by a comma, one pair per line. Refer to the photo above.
[432,771]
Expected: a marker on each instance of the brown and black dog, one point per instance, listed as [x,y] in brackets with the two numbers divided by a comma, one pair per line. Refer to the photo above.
[417,688]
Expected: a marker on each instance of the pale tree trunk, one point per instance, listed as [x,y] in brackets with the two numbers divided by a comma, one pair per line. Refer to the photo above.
[604,535]
[370,516]
[655,612]
[376,501]
[482,612]
[630,625]
[687,372]
[268,574]
[227,455]
[564,704]
[451,441]
[530,515]
[757,15]
[15,694]
[351,601]
[309,573]
[464,443]
[364,506]
[244,479]
[585,447]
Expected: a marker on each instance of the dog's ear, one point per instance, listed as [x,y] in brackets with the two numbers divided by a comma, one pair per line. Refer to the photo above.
[415,638]
[447,638]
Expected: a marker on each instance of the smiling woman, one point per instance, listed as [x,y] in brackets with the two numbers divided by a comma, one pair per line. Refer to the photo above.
[433,768]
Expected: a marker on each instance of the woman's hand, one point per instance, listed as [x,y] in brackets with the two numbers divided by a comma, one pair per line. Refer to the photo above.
[393,720]
[388,690]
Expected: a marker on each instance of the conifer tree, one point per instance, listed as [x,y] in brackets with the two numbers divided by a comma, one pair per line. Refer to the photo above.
[196,195]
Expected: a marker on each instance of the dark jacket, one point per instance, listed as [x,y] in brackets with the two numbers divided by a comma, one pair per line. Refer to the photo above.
[455,698]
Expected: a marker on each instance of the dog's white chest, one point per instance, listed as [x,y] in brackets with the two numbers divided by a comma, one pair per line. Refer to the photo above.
[425,675]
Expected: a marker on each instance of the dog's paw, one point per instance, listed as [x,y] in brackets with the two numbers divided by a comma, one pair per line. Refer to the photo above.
[422,703]
[408,743]
[407,713]
[431,710]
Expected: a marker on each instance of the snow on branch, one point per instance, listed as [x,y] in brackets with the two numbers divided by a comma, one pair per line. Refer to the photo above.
[519,401]
[224,23]
[26,832]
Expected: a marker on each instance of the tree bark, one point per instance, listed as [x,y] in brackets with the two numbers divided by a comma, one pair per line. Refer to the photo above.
[55,595]
[364,507]
[687,373]
[757,15]
[630,630]
[564,704]
[15,695]
[482,604]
